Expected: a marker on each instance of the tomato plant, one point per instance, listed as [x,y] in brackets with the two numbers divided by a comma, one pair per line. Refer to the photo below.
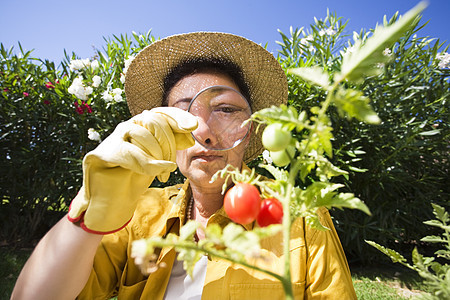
[275,138]
[271,212]
[283,158]
[242,203]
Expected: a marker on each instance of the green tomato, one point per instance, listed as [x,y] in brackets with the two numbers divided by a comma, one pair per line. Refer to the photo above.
[275,138]
[281,158]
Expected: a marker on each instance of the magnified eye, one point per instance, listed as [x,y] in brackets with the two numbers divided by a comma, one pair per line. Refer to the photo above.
[229,109]
[223,111]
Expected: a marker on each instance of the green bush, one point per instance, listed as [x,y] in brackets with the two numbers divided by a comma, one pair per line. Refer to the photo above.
[50,118]
[397,167]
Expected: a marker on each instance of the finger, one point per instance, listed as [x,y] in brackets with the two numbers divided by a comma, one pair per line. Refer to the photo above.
[158,126]
[184,140]
[180,120]
[144,139]
[141,162]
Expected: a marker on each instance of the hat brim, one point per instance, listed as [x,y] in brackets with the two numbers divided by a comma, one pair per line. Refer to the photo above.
[144,80]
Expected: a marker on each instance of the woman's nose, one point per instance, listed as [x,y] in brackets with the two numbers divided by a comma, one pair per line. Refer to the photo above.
[205,135]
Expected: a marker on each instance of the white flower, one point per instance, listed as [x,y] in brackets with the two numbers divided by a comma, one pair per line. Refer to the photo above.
[79,90]
[127,63]
[305,41]
[94,64]
[266,157]
[117,92]
[444,60]
[107,96]
[88,90]
[387,52]
[96,80]
[94,135]
[330,31]
[118,98]
[122,77]
[73,88]
[78,64]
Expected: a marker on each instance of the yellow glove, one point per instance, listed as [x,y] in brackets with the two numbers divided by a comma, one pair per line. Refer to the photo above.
[122,167]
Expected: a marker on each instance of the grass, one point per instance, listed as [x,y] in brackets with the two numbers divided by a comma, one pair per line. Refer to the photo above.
[11,262]
[387,282]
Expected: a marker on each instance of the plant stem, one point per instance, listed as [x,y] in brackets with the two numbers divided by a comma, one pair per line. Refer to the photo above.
[287,285]
[217,254]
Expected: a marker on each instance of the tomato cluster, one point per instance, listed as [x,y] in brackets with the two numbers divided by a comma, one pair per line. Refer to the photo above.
[277,140]
[243,205]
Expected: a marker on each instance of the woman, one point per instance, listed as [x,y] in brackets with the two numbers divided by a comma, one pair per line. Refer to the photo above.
[88,253]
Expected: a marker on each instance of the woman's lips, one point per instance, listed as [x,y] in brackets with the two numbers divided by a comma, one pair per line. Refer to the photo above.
[206,157]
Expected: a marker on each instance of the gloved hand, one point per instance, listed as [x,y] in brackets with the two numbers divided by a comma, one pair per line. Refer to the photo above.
[122,167]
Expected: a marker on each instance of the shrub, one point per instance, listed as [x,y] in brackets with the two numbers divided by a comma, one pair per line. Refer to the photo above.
[407,155]
[50,118]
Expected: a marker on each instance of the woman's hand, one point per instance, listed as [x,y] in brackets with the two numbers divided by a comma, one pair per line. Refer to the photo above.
[122,167]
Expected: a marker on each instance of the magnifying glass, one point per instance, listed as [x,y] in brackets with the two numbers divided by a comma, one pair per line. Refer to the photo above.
[221,112]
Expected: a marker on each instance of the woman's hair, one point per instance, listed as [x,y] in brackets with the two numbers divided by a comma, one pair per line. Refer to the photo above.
[199,65]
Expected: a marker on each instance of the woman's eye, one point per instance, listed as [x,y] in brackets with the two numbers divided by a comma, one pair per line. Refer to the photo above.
[227,109]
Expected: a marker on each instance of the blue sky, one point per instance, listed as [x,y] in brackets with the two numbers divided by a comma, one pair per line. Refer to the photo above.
[49,26]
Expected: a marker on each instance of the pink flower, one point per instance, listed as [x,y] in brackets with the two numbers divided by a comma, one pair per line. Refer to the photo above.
[5,90]
[25,94]
[46,102]
[49,85]
[81,109]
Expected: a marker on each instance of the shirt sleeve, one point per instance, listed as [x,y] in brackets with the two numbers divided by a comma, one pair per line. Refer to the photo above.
[109,262]
[328,274]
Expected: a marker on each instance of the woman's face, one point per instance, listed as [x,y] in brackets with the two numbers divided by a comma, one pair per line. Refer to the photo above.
[197,163]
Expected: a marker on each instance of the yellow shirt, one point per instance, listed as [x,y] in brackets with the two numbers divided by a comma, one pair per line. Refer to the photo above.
[319,268]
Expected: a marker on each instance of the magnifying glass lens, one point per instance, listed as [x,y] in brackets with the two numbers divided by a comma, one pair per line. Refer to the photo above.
[221,113]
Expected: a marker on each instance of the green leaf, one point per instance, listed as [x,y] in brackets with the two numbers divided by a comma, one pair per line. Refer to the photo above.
[433,239]
[313,221]
[239,242]
[430,132]
[326,170]
[440,213]
[277,173]
[349,200]
[189,257]
[437,223]
[188,230]
[393,255]
[314,75]
[354,104]
[355,169]
[361,62]
[417,258]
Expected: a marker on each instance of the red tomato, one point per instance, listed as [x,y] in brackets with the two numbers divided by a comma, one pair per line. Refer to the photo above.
[271,212]
[242,203]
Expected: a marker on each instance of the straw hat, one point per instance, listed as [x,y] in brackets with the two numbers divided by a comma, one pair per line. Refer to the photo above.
[144,81]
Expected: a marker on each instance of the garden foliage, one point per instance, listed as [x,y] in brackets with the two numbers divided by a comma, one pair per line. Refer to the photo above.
[399,166]
[49,118]
[434,270]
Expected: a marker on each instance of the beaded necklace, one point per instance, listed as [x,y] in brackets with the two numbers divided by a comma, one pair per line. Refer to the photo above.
[190,214]
[190,209]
